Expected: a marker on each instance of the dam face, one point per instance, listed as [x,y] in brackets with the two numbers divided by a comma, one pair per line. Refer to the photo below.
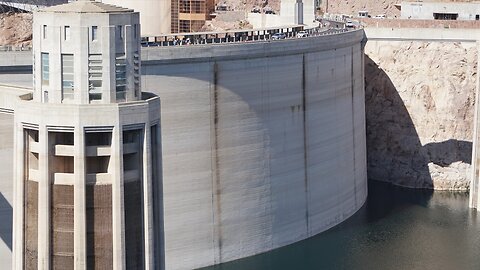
[263,143]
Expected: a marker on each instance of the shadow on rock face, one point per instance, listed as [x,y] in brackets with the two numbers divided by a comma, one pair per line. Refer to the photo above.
[6,213]
[394,150]
[447,152]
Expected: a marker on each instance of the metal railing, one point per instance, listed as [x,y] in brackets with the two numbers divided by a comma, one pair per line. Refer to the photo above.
[10,48]
[237,36]
[234,36]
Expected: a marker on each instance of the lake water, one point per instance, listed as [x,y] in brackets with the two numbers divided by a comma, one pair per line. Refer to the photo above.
[397,228]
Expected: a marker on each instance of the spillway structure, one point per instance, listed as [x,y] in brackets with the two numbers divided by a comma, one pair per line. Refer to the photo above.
[87,182]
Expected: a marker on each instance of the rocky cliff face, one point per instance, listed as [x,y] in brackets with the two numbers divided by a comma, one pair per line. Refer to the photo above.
[420,103]
[16,29]
[352,7]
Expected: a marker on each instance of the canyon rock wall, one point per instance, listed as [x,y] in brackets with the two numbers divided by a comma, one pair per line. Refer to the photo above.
[419,103]
[16,29]
[374,7]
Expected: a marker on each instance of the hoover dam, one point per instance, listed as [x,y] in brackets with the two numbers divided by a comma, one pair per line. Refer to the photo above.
[263,143]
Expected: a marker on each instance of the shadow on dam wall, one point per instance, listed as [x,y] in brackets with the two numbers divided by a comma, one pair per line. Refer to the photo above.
[395,153]
[6,213]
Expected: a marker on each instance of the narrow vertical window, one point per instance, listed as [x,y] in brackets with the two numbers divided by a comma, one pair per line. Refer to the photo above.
[135,31]
[45,69]
[94,32]
[95,76]
[44,31]
[67,76]
[120,76]
[66,33]
[120,31]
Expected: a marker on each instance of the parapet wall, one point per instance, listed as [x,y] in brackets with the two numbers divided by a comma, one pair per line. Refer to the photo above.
[263,143]
[411,23]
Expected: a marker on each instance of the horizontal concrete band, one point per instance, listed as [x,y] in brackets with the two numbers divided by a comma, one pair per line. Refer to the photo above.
[423,34]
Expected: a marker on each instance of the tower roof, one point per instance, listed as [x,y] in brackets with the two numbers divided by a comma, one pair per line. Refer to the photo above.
[86,6]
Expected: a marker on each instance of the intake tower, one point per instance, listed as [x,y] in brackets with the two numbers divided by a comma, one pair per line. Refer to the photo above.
[87,183]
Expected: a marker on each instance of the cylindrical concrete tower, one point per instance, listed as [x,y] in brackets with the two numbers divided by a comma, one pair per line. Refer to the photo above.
[87,146]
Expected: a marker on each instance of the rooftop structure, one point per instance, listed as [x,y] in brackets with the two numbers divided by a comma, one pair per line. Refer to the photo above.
[292,12]
[441,10]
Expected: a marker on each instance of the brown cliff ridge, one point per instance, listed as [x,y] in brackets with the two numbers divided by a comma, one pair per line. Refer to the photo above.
[15,29]
[420,104]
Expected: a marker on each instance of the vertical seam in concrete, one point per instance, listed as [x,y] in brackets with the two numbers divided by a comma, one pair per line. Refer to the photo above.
[474,173]
[79,199]
[353,128]
[118,208]
[216,190]
[305,146]
[44,235]
[18,236]
[147,200]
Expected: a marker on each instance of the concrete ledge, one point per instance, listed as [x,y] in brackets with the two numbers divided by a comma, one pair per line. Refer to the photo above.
[423,34]
[63,179]
[99,178]
[64,150]
[33,175]
[34,147]
[98,151]
[130,148]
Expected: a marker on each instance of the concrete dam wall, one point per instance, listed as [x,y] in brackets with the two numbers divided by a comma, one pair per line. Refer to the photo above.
[263,144]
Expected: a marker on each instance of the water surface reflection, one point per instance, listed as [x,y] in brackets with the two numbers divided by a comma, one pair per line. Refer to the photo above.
[396,229]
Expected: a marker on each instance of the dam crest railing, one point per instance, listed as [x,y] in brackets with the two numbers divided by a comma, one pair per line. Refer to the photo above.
[245,35]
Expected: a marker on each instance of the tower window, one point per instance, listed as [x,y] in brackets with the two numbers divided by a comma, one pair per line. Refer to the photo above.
[120,31]
[120,77]
[95,76]
[67,76]
[66,33]
[45,69]
[44,31]
[445,16]
[94,32]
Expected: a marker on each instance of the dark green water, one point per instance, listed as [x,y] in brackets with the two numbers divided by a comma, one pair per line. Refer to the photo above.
[396,229]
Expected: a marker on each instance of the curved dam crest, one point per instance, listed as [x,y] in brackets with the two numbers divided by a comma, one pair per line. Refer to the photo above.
[263,144]
[279,128]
